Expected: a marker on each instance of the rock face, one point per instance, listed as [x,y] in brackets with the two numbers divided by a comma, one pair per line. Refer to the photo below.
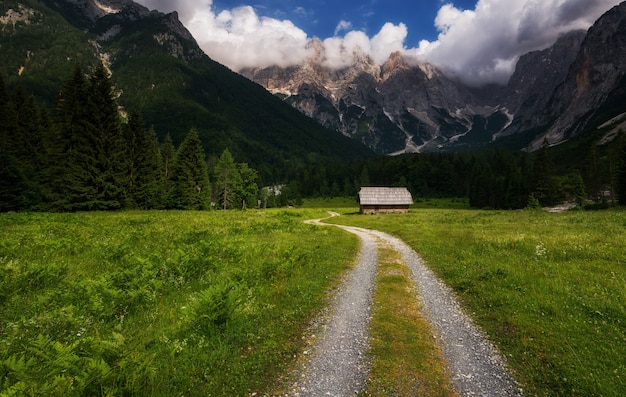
[407,106]
[536,77]
[401,106]
[108,18]
[594,90]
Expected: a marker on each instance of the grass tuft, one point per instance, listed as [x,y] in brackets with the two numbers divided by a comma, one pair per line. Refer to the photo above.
[407,361]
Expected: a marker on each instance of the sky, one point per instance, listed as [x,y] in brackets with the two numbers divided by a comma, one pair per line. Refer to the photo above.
[477,41]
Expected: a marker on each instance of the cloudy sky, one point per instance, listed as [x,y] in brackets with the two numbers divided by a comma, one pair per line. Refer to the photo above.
[478,41]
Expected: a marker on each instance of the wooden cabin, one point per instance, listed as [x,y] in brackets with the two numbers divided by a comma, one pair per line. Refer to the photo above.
[384,200]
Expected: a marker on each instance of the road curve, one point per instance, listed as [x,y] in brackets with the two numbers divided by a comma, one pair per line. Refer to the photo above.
[337,365]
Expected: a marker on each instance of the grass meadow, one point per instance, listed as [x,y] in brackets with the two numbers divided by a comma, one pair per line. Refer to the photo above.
[159,303]
[549,289]
[216,303]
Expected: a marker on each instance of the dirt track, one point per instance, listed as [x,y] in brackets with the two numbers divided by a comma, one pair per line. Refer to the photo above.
[337,364]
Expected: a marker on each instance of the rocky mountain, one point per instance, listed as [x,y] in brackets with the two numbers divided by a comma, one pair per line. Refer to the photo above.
[399,106]
[158,69]
[594,91]
[408,106]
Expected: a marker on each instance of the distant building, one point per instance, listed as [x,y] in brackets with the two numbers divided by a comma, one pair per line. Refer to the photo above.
[384,200]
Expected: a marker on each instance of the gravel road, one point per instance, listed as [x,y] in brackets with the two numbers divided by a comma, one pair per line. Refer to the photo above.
[337,364]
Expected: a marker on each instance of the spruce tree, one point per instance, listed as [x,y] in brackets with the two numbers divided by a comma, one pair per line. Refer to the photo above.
[168,152]
[144,173]
[248,189]
[110,156]
[227,180]
[151,177]
[8,120]
[70,148]
[190,178]
[545,184]
[14,183]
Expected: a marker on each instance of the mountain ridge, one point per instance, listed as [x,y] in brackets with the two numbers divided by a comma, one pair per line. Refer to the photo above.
[159,70]
[408,106]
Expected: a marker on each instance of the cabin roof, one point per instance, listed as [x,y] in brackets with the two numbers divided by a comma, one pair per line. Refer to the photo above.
[385,196]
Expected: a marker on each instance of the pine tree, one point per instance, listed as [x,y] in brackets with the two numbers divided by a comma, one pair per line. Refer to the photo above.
[227,180]
[152,178]
[8,120]
[190,177]
[545,184]
[168,153]
[249,188]
[109,173]
[15,187]
[70,148]
[144,176]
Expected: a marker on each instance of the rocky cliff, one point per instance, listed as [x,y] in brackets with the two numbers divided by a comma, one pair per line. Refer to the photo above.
[401,106]
[594,90]
[408,106]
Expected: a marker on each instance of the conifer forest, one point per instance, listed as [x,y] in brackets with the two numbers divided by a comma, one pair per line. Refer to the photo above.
[85,153]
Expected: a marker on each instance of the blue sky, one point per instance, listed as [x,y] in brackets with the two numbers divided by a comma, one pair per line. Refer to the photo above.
[322,18]
[477,41]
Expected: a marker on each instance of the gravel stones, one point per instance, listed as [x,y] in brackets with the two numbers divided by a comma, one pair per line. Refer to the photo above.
[337,364]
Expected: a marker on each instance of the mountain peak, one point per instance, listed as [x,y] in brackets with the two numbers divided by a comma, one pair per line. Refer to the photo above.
[395,62]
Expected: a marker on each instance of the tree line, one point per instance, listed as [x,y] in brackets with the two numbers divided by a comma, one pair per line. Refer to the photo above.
[82,155]
[493,178]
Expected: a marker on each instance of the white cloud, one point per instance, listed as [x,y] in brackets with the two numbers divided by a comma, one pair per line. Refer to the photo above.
[240,38]
[343,26]
[480,45]
[483,45]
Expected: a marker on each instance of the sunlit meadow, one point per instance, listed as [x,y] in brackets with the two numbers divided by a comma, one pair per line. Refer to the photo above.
[159,303]
[549,289]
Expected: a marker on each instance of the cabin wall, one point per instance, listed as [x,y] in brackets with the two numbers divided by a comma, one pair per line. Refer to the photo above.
[384,209]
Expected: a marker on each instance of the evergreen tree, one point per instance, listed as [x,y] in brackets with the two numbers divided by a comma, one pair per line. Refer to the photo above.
[227,180]
[595,177]
[190,177]
[109,175]
[70,149]
[144,168]
[168,153]
[365,177]
[16,188]
[8,120]
[249,188]
[545,183]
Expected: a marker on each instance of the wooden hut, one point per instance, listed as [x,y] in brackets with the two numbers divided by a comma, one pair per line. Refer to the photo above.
[384,200]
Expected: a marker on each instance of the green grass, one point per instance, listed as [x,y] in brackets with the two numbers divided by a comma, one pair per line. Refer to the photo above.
[330,203]
[159,303]
[406,358]
[216,303]
[549,289]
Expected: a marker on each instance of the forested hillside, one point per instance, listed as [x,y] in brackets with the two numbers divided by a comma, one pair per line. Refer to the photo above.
[84,156]
[158,70]
[125,111]
[580,171]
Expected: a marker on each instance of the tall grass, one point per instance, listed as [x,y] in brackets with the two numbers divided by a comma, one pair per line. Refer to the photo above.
[549,289]
[159,303]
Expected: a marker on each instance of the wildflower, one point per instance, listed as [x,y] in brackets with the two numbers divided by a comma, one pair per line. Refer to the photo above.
[540,250]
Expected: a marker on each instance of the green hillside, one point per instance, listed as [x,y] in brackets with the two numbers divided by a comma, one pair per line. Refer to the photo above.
[158,70]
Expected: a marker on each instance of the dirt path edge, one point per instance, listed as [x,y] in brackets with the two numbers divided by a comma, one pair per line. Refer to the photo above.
[337,366]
